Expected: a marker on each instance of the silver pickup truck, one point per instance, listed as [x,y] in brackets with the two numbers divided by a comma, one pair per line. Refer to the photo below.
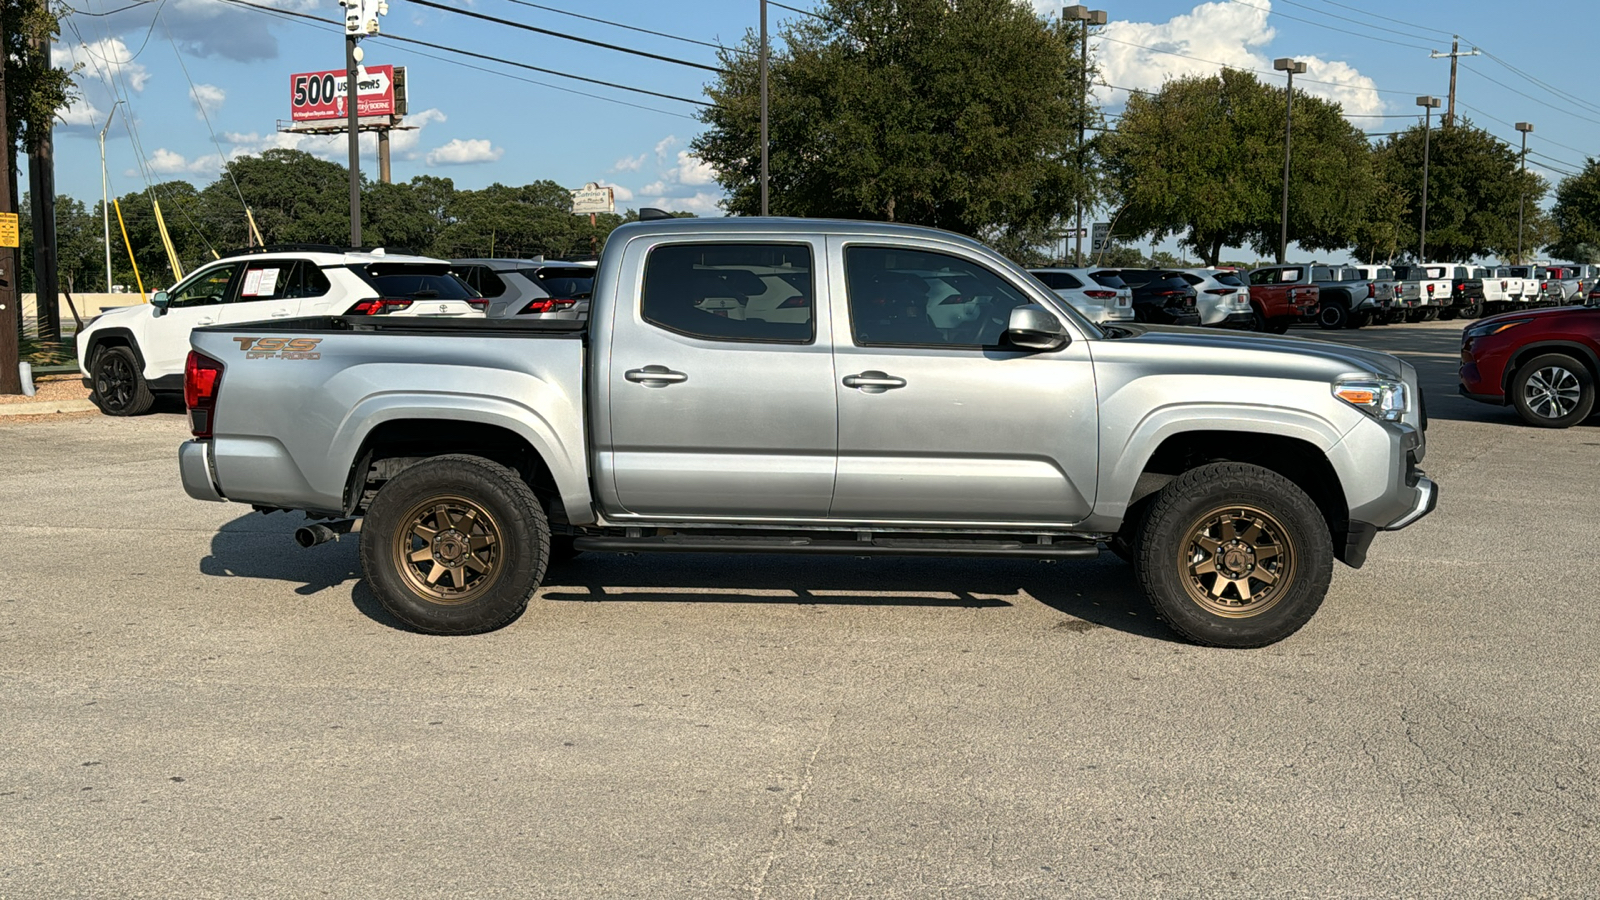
[807,386]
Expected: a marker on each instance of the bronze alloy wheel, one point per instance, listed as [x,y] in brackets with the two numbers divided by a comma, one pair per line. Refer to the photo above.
[448,549]
[1238,562]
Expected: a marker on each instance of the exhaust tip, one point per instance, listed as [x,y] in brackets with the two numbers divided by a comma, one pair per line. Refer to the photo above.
[306,536]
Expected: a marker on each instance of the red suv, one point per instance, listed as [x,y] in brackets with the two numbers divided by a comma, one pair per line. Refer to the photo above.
[1545,362]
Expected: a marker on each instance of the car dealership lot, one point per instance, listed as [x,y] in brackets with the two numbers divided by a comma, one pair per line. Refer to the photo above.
[192,706]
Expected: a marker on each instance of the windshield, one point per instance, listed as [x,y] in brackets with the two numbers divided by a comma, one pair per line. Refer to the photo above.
[415,281]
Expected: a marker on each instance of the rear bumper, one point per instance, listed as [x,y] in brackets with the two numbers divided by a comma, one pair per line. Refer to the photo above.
[1244,319]
[194,466]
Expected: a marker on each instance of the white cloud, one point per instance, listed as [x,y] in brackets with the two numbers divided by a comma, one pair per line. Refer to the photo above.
[704,203]
[464,152]
[630,163]
[167,162]
[334,147]
[620,193]
[665,144]
[102,59]
[208,98]
[1221,34]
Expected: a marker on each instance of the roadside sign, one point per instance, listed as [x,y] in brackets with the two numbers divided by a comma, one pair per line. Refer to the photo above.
[315,96]
[592,198]
[1101,238]
[9,236]
[1077,232]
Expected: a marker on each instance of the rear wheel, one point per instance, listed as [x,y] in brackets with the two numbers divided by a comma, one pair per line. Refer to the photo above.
[1234,555]
[1553,391]
[455,545]
[1361,319]
[119,386]
[1280,325]
[1333,316]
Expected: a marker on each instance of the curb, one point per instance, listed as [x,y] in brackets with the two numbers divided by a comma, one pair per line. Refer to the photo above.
[46,408]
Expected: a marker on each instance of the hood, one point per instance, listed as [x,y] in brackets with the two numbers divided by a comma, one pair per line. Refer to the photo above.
[1227,342]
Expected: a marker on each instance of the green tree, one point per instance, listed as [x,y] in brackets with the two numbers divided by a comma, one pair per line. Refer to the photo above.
[962,115]
[1474,186]
[1576,215]
[1203,159]
[78,243]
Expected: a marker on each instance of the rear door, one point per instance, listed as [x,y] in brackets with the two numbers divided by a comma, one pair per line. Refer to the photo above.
[939,420]
[270,289]
[715,412]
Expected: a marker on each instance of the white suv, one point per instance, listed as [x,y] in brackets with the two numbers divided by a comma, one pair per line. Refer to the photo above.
[1101,296]
[128,355]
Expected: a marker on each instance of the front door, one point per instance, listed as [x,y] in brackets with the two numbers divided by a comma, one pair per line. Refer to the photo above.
[270,289]
[721,385]
[939,419]
[196,302]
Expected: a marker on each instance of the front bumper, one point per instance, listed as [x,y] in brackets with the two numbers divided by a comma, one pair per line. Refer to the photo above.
[1427,500]
[194,466]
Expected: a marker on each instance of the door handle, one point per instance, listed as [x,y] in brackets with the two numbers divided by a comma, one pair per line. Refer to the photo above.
[208,320]
[874,382]
[281,314]
[655,376]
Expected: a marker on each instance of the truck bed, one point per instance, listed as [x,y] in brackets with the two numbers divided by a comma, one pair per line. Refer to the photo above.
[414,325]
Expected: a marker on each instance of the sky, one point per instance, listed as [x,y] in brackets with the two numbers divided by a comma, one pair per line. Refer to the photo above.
[208,80]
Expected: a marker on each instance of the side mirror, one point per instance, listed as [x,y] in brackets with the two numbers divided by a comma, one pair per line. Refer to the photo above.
[159,301]
[1035,328]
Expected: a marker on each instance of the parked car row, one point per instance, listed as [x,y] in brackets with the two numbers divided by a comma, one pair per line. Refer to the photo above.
[131,354]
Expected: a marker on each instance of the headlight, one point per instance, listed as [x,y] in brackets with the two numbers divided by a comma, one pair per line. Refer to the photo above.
[1487,328]
[1380,398]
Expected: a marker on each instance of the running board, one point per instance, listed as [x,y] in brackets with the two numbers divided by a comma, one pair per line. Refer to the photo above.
[884,546]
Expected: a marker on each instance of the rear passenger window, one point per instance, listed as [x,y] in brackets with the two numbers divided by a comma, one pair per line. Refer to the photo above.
[282,278]
[731,292]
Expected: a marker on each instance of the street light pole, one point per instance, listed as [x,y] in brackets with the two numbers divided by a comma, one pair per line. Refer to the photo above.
[105,191]
[764,107]
[1428,104]
[1086,17]
[1522,197]
[1292,67]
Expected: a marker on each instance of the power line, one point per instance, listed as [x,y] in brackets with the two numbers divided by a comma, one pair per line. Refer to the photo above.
[494,59]
[566,37]
[674,37]
[1513,90]
[109,12]
[1343,19]
[1283,15]
[1387,18]
[804,12]
[1552,89]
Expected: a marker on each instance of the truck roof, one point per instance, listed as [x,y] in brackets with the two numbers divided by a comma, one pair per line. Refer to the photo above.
[756,225]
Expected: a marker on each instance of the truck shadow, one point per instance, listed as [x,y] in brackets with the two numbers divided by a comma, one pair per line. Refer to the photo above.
[1096,594]
[1100,593]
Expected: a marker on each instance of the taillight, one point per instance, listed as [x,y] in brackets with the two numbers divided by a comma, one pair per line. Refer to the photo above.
[202,378]
[1544,285]
[377,306]
[798,301]
[1100,295]
[1219,292]
[1372,290]
[551,304]
[478,303]
[1430,288]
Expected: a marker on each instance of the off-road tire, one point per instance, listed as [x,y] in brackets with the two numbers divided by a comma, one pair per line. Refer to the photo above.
[119,385]
[1333,316]
[1572,394]
[1287,519]
[506,510]
[1258,322]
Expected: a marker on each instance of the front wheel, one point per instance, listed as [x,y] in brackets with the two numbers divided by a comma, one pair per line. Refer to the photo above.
[1553,391]
[119,386]
[455,545]
[1234,555]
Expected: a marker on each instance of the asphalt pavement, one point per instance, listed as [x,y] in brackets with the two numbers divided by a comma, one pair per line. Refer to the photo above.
[192,706]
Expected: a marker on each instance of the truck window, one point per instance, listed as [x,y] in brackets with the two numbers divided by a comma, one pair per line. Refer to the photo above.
[1322,274]
[731,292]
[917,298]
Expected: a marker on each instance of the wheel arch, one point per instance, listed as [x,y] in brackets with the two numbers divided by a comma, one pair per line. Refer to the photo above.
[392,445]
[1297,458]
[1574,349]
[112,337]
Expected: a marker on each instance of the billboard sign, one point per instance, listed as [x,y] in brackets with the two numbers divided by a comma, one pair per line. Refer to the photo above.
[319,96]
[592,198]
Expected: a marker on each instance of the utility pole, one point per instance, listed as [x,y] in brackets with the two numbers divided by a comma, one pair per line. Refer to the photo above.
[42,185]
[1428,104]
[1454,54]
[764,67]
[1085,17]
[1292,67]
[360,20]
[1522,198]
[10,377]
[105,192]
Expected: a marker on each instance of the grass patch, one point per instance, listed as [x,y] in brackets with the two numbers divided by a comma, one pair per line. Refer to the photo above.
[47,353]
